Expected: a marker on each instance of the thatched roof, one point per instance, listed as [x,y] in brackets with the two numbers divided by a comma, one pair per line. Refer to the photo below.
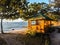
[43,17]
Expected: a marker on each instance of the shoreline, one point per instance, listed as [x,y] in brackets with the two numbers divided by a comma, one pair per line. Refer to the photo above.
[22,30]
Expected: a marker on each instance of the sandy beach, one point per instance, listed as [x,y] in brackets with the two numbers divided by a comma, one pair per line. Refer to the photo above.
[20,31]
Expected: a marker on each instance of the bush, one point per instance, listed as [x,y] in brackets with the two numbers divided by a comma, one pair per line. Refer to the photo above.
[31,32]
[34,38]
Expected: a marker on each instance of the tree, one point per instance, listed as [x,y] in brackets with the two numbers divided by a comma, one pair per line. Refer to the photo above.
[56,5]
[31,11]
[35,10]
[10,9]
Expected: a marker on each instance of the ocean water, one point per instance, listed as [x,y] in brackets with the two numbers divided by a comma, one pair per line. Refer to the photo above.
[8,26]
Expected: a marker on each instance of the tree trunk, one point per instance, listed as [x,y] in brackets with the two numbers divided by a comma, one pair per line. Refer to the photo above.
[58,10]
[2,26]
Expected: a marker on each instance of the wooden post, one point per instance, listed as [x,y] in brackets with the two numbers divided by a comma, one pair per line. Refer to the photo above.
[29,24]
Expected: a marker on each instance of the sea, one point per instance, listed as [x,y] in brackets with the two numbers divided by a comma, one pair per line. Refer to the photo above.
[8,26]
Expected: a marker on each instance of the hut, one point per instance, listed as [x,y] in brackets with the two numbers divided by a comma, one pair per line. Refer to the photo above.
[40,24]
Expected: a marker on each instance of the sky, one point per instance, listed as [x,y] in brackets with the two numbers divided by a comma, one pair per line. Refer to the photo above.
[31,1]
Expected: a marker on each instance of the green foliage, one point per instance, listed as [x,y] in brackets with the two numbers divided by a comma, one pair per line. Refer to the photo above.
[31,33]
[56,5]
[10,8]
[33,10]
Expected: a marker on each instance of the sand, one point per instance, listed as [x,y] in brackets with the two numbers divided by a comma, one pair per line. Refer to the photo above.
[21,31]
